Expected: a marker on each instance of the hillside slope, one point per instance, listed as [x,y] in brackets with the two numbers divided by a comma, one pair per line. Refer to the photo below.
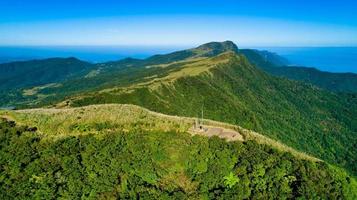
[338,82]
[57,123]
[230,89]
[58,78]
[124,151]
[275,65]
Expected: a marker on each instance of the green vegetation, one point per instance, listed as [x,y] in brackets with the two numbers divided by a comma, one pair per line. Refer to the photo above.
[302,116]
[76,76]
[338,82]
[95,118]
[40,72]
[122,151]
[275,65]
[22,82]
[129,160]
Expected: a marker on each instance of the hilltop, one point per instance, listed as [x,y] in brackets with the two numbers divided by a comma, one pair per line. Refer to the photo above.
[93,119]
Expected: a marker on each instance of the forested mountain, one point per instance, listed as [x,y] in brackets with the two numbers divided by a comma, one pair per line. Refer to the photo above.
[88,77]
[40,72]
[232,90]
[276,65]
[127,152]
[338,82]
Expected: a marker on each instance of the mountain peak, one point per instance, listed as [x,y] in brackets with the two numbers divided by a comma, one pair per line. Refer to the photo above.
[205,50]
[219,47]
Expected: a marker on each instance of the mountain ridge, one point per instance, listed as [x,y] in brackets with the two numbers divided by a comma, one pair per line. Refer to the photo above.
[29,116]
[238,92]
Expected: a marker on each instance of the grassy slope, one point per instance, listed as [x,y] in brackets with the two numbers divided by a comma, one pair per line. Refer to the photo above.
[112,151]
[57,123]
[302,116]
[95,77]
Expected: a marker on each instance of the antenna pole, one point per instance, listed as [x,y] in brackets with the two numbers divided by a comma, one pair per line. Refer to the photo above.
[202,114]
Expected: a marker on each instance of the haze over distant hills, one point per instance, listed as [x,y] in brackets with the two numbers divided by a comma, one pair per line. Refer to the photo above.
[87,53]
[329,59]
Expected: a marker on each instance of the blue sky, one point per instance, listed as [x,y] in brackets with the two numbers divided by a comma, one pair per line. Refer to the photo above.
[180,23]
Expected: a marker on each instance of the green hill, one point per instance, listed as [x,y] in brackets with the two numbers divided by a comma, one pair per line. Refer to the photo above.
[58,78]
[40,72]
[339,82]
[205,50]
[126,152]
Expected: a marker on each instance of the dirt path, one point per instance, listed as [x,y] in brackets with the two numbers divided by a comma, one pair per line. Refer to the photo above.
[209,131]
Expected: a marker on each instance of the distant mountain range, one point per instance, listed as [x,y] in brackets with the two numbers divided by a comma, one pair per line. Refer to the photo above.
[276,65]
[23,74]
[7,59]
[270,62]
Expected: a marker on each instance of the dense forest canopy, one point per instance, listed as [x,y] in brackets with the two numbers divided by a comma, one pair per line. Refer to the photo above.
[157,165]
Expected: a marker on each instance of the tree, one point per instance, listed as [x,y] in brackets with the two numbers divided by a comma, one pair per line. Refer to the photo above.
[230,180]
